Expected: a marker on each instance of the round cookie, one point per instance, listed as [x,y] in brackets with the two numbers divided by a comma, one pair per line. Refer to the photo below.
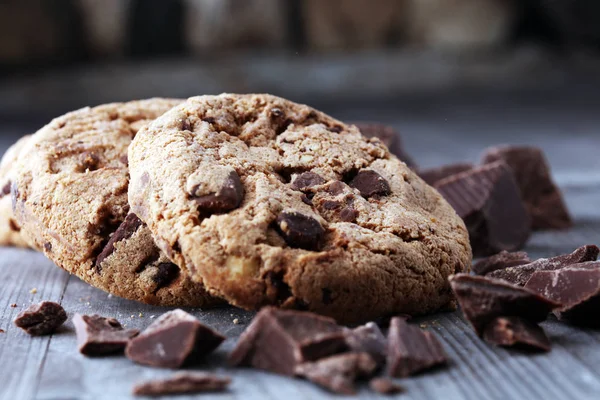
[70,197]
[10,231]
[266,201]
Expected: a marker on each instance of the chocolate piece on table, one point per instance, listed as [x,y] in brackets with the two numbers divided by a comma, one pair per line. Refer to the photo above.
[174,339]
[389,136]
[488,200]
[502,260]
[279,340]
[543,199]
[182,382]
[41,319]
[576,288]
[411,350]
[518,332]
[97,336]
[519,275]
[369,339]
[338,373]
[434,175]
[385,385]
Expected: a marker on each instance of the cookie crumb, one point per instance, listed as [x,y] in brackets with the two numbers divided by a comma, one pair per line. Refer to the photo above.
[132,316]
[236,321]
[33,291]
[423,325]
[140,315]
[152,316]
[14,305]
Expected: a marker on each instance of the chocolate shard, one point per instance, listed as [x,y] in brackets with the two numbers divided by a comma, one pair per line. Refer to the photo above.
[487,198]
[411,350]
[385,385]
[389,136]
[174,339]
[542,197]
[307,180]
[519,275]
[483,299]
[98,336]
[369,183]
[299,230]
[41,319]
[369,339]
[183,382]
[576,288]
[516,332]
[434,175]
[502,260]
[126,230]
[279,340]
[338,373]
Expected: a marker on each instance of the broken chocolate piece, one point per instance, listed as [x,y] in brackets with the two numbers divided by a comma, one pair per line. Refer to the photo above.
[502,260]
[41,319]
[98,336]
[488,200]
[542,197]
[183,382]
[337,373]
[299,230]
[126,230]
[411,350]
[389,136]
[369,339]
[229,196]
[369,183]
[174,339]
[519,275]
[483,299]
[307,180]
[385,385]
[516,331]
[434,175]
[576,288]
[279,340]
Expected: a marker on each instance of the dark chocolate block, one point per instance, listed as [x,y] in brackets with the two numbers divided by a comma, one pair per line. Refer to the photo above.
[98,336]
[41,319]
[502,260]
[369,339]
[518,332]
[183,382]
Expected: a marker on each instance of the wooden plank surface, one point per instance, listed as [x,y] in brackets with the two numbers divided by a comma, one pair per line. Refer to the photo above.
[435,132]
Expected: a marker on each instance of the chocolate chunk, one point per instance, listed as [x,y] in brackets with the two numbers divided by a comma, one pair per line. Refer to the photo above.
[385,386]
[307,180]
[98,336]
[369,339]
[516,331]
[488,200]
[41,319]
[411,350]
[337,373]
[576,288]
[174,339]
[502,260]
[519,275]
[229,196]
[434,175]
[126,230]
[166,274]
[280,340]
[183,382]
[483,299]
[369,183]
[542,197]
[299,230]
[348,214]
[390,137]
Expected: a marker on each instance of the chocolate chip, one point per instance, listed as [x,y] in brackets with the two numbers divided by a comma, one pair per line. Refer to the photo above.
[369,339]
[434,175]
[335,128]
[12,224]
[517,332]
[385,386]
[48,246]
[299,230]
[229,196]
[390,137]
[98,336]
[186,125]
[337,373]
[483,299]
[5,189]
[126,230]
[89,161]
[277,289]
[179,335]
[41,319]
[183,382]
[369,183]
[502,260]
[295,336]
[336,188]
[411,350]
[348,214]
[305,199]
[307,180]
[488,200]
[124,159]
[520,274]
[166,274]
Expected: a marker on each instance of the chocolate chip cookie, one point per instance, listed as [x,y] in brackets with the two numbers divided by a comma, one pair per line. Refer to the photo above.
[10,231]
[70,197]
[266,201]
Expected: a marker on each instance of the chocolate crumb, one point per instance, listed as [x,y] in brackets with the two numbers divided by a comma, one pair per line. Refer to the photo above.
[183,382]
[41,319]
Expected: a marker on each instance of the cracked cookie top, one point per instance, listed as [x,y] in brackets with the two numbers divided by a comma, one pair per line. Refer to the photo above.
[267,201]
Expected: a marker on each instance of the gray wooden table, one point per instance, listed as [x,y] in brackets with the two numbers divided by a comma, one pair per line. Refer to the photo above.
[436,130]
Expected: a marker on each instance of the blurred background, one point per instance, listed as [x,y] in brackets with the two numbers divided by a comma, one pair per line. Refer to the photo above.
[524,70]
